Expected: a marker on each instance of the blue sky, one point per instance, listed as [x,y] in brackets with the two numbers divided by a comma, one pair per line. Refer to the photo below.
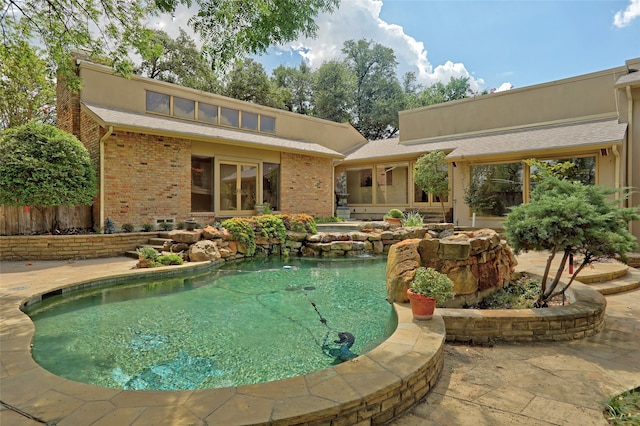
[498,44]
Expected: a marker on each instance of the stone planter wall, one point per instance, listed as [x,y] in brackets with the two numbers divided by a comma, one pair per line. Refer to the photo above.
[584,317]
[64,247]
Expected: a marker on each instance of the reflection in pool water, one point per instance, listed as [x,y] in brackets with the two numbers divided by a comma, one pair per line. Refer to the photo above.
[247,322]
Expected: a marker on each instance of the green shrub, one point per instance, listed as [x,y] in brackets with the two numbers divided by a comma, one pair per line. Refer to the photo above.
[242,231]
[165,226]
[272,226]
[299,223]
[44,166]
[624,409]
[394,213]
[147,253]
[180,225]
[331,219]
[431,283]
[170,259]
[412,219]
[147,227]
[127,227]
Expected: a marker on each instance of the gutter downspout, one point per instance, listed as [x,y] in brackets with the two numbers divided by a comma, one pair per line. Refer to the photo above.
[102,140]
[616,184]
[630,130]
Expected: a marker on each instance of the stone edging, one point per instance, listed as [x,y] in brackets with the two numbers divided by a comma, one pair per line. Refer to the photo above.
[373,388]
[582,318]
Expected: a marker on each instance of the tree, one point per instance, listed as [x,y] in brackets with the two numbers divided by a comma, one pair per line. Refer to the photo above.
[333,92]
[41,165]
[115,28]
[26,87]
[431,175]
[296,87]
[456,88]
[249,82]
[178,61]
[571,218]
[378,94]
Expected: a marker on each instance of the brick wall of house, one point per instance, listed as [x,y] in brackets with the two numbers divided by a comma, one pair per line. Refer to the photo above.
[90,134]
[306,185]
[147,177]
[67,109]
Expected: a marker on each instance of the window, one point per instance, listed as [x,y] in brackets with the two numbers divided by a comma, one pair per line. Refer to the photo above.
[359,185]
[229,117]
[267,124]
[249,121]
[494,188]
[184,108]
[207,113]
[201,184]
[584,170]
[392,181]
[271,185]
[158,102]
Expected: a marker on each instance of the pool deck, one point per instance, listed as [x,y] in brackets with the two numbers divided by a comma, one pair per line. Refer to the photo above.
[527,384]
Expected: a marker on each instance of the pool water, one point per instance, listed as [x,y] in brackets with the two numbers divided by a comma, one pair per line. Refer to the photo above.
[247,322]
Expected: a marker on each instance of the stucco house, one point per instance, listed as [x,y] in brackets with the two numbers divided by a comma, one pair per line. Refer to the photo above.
[592,120]
[167,153]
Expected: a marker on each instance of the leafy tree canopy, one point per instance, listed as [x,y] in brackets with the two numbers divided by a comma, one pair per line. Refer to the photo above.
[178,61]
[115,28]
[25,83]
[378,94]
[249,82]
[333,92]
[41,165]
[571,218]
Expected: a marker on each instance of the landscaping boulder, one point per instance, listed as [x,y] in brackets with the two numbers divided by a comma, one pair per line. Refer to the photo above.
[203,250]
[402,262]
[189,237]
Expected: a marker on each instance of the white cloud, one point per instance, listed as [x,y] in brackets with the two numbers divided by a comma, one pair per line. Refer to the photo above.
[358,19]
[624,18]
[354,20]
[503,87]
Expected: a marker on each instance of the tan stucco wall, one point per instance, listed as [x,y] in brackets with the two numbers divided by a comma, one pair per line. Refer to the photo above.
[102,87]
[589,95]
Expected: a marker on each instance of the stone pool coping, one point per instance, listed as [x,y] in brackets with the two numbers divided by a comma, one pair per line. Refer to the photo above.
[411,359]
[371,389]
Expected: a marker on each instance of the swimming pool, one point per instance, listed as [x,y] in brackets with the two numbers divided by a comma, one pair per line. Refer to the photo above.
[247,322]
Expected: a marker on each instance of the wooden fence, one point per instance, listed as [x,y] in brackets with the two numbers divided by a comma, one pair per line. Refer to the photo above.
[20,220]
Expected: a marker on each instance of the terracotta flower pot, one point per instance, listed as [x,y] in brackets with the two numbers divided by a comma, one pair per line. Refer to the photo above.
[421,306]
[394,221]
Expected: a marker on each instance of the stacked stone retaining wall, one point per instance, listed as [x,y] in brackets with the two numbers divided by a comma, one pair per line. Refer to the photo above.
[67,247]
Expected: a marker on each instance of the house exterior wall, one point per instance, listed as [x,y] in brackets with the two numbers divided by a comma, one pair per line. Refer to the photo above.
[147,178]
[587,97]
[590,95]
[102,87]
[306,185]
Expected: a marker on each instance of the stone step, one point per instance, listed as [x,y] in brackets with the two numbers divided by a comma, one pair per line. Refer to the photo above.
[628,282]
[131,253]
[158,241]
